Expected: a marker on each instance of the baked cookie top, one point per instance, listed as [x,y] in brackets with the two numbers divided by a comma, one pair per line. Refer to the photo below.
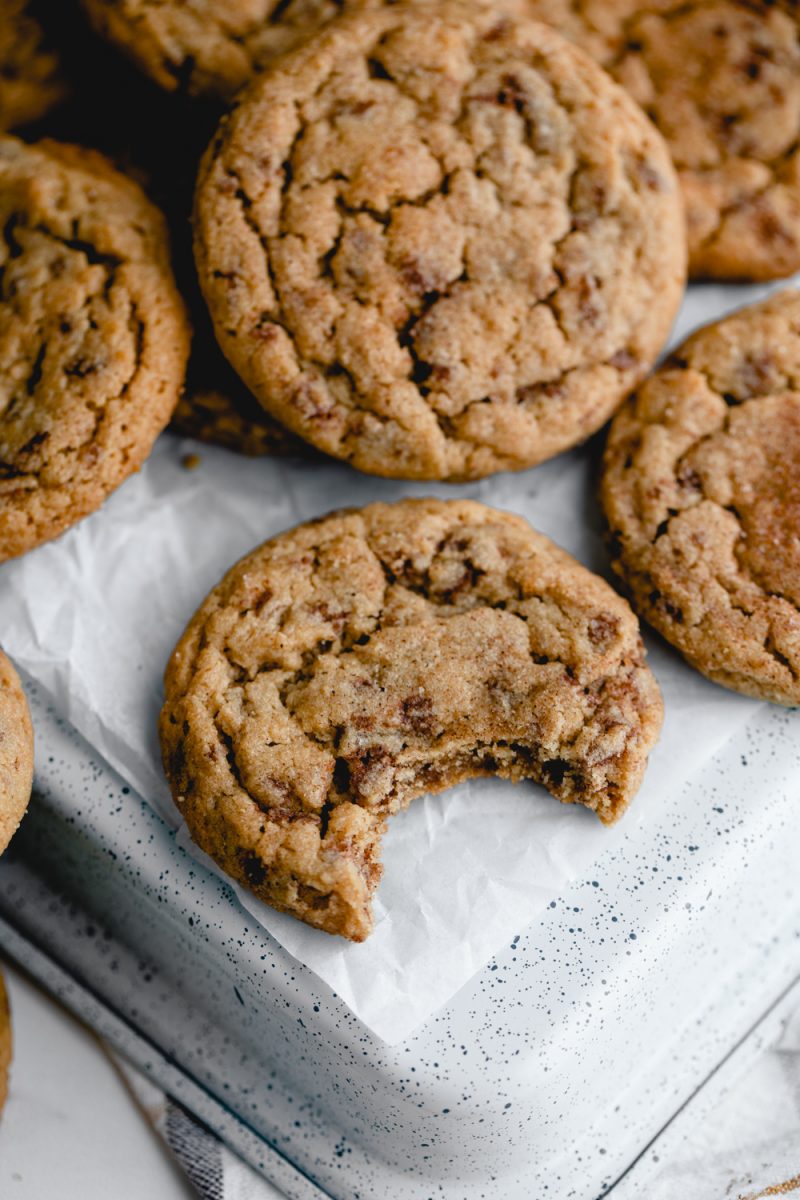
[702,493]
[721,81]
[31,82]
[361,660]
[214,47]
[439,244]
[93,336]
[207,47]
[16,752]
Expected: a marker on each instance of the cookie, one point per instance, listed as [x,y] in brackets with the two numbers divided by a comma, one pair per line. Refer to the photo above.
[701,488]
[439,245]
[234,420]
[217,408]
[721,81]
[209,47]
[16,752]
[31,81]
[359,661]
[213,47]
[93,337]
[5,1042]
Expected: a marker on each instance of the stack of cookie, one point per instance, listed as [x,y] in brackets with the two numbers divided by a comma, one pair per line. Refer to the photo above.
[434,241]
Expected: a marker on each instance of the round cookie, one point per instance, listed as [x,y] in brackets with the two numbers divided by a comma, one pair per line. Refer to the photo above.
[16,752]
[701,489]
[214,47]
[6,1045]
[359,661]
[439,244]
[206,47]
[721,81]
[93,337]
[31,82]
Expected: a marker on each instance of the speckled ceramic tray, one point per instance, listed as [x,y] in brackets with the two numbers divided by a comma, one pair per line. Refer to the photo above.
[547,1075]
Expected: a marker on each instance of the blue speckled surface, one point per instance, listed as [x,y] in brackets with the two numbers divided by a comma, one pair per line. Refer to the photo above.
[545,1076]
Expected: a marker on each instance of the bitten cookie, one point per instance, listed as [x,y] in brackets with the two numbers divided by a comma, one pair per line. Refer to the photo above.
[702,493]
[721,81]
[5,1043]
[93,337]
[361,660]
[31,82]
[439,244]
[16,752]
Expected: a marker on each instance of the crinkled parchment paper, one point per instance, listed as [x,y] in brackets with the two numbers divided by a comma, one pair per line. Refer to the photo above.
[94,616]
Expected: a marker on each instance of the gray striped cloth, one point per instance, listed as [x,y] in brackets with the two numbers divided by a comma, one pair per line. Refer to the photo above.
[214,1172]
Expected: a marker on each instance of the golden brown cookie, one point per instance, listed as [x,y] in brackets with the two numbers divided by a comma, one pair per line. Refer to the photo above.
[214,47]
[702,493]
[31,82]
[439,245]
[6,1045]
[206,47]
[16,752]
[93,336]
[721,81]
[361,660]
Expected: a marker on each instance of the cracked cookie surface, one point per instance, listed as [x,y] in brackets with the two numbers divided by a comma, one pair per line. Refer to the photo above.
[206,47]
[359,661]
[93,336]
[16,752]
[439,245]
[721,81]
[701,489]
[214,47]
[31,82]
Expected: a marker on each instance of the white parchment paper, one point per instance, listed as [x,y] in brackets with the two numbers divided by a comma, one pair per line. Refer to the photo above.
[94,616]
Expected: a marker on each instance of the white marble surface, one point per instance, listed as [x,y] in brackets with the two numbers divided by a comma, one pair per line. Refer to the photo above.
[70,1128]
